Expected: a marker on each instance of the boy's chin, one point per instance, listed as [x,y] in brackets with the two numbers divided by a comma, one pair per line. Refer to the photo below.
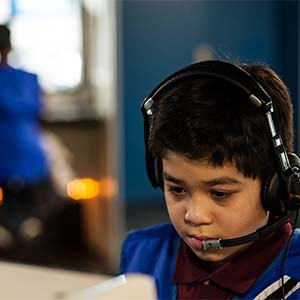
[219,256]
[212,257]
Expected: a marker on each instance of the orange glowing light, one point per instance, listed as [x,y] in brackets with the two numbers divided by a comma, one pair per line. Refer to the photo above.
[108,187]
[88,188]
[1,196]
[83,189]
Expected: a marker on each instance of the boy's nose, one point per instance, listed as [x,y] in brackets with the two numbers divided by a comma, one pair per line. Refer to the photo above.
[197,214]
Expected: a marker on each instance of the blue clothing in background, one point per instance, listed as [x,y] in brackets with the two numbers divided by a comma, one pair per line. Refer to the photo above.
[21,154]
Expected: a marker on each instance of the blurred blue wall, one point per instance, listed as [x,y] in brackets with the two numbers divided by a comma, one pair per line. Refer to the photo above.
[158,37]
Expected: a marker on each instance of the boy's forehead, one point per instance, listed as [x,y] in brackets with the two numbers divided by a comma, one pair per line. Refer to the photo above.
[177,163]
[176,156]
[179,169]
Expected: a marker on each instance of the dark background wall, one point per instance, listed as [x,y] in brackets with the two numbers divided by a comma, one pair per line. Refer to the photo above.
[159,37]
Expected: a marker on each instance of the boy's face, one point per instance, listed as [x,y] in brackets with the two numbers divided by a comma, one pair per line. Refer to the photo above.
[206,202]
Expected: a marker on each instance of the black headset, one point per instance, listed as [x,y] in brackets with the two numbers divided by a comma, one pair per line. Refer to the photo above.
[279,194]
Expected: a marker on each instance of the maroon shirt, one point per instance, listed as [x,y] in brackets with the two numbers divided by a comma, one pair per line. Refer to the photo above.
[197,279]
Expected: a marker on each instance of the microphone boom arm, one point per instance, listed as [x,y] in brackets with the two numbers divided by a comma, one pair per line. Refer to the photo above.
[259,233]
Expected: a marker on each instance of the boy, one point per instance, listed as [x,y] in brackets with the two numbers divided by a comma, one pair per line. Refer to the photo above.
[212,146]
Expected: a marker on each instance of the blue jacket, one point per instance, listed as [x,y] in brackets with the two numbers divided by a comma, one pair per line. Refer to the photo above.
[21,154]
[154,250]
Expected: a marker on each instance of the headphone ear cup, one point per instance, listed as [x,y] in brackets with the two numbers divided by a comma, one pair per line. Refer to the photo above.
[274,195]
[294,180]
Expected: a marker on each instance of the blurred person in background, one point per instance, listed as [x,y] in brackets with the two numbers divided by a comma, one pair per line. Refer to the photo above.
[28,194]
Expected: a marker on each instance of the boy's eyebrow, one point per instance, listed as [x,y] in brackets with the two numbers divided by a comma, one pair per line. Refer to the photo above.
[212,182]
[170,178]
[222,180]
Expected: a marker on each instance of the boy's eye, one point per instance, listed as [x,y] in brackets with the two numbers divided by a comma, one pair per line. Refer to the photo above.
[219,194]
[178,191]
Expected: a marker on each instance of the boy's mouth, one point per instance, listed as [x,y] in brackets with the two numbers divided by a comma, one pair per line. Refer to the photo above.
[196,241]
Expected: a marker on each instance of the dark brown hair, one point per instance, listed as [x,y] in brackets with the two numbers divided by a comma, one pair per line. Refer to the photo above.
[213,120]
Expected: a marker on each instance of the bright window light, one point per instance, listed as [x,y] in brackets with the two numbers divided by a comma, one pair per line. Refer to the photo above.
[5,11]
[47,40]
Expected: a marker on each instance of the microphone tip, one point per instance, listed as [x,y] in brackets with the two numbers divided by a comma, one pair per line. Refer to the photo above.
[211,244]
